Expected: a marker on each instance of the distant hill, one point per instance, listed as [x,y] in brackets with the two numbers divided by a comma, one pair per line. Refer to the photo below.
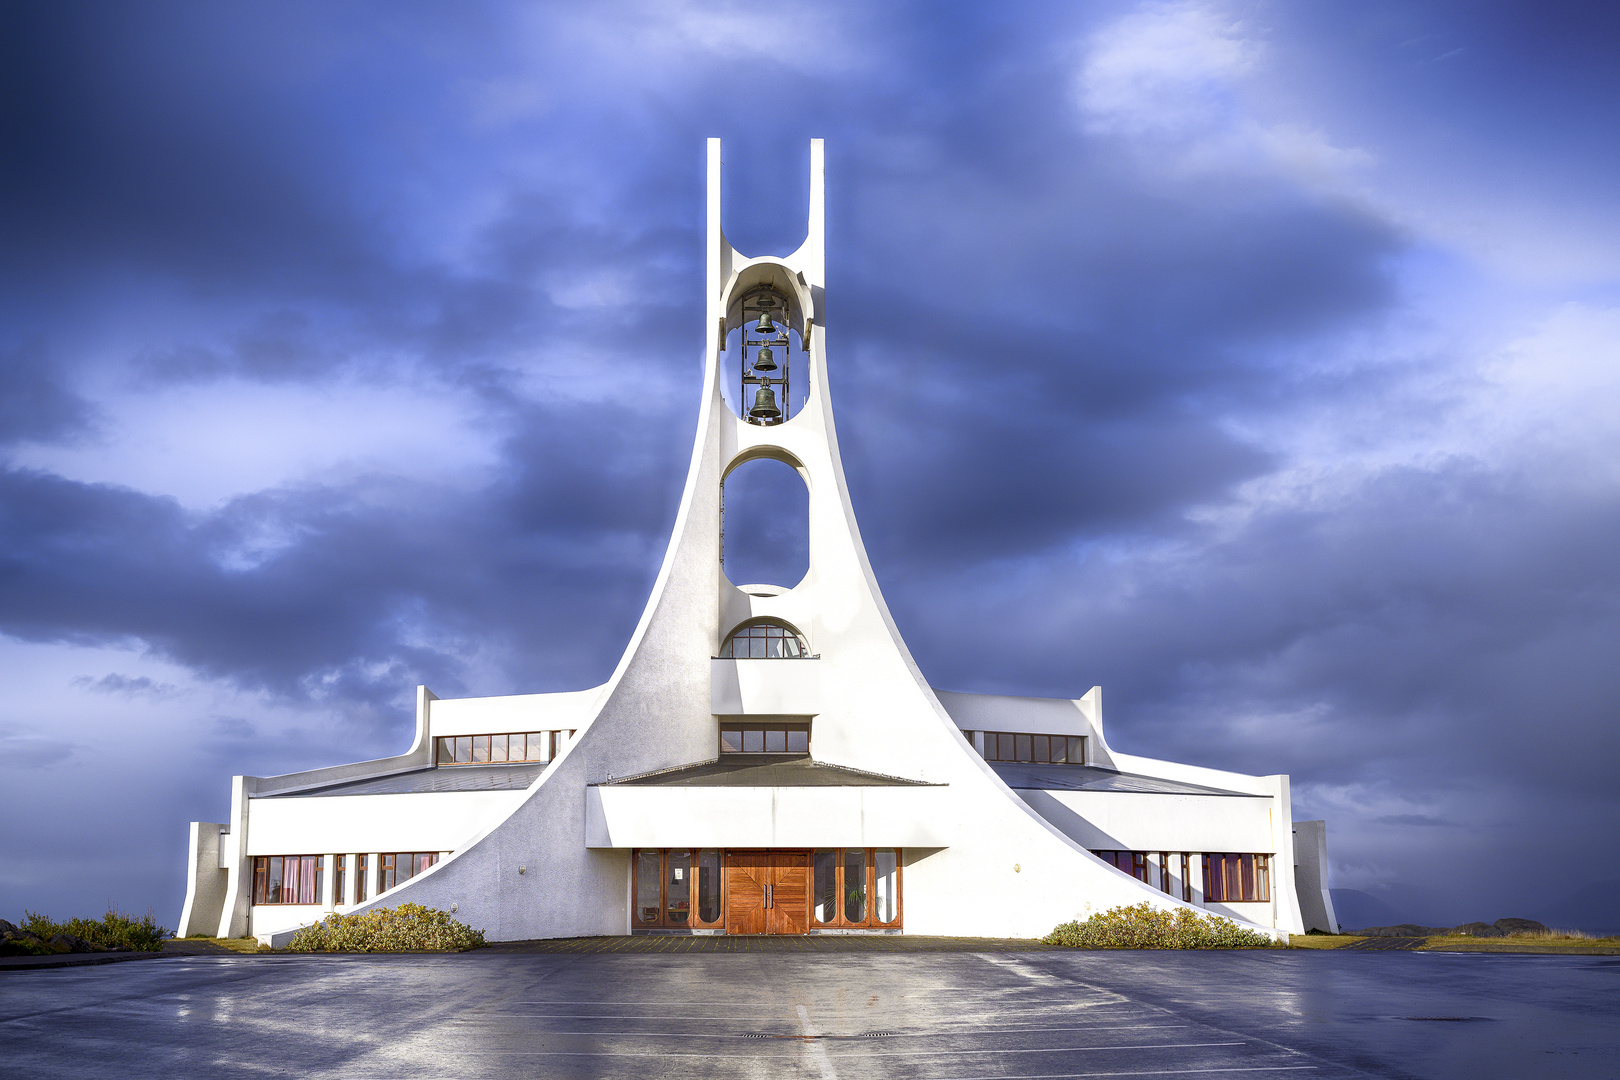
[1593,907]
[1356,909]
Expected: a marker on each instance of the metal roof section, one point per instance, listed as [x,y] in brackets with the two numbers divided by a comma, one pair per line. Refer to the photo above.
[1029,776]
[432,779]
[763,770]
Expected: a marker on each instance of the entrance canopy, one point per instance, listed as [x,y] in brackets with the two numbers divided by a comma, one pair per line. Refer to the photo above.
[765,801]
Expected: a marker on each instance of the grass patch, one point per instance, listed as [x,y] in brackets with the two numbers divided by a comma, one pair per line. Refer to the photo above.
[115,930]
[1550,941]
[240,944]
[1322,941]
[1142,926]
[407,928]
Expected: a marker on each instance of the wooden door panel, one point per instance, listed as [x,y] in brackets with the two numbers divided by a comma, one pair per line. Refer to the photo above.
[746,875]
[789,911]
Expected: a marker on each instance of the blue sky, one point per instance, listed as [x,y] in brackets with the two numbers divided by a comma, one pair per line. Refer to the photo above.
[1257,361]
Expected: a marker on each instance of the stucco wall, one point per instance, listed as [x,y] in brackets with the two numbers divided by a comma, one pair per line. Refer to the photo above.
[429,821]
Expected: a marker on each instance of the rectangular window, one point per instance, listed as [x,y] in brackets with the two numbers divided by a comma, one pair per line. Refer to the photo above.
[1237,878]
[288,879]
[756,738]
[399,867]
[363,882]
[495,749]
[1136,864]
[340,873]
[1034,748]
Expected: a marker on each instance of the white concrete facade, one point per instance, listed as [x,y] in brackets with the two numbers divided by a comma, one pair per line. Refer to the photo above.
[989,849]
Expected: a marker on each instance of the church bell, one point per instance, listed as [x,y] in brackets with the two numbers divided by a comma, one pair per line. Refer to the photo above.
[765,360]
[765,405]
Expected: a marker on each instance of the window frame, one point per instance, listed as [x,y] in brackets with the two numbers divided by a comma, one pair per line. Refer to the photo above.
[992,744]
[695,908]
[388,867]
[309,870]
[555,739]
[1249,871]
[841,890]
[785,728]
[728,650]
[694,897]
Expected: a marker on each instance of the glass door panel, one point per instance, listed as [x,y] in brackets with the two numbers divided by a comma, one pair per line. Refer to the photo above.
[648,901]
[678,887]
[886,882]
[825,901]
[708,886]
[855,885]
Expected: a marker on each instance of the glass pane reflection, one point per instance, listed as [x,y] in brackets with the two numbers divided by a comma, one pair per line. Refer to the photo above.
[826,886]
[678,888]
[885,889]
[647,886]
[708,872]
[855,884]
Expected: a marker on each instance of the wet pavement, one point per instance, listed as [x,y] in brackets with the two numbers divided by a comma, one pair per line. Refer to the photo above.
[948,1015]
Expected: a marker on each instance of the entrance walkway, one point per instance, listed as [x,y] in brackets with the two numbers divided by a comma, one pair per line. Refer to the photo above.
[1385,944]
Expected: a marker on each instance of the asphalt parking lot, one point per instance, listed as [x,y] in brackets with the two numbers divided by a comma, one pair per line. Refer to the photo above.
[949,1015]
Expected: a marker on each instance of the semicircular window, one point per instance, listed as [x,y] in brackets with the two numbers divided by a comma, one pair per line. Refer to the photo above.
[764,640]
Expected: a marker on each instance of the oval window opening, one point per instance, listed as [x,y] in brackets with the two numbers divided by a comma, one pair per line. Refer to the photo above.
[766,538]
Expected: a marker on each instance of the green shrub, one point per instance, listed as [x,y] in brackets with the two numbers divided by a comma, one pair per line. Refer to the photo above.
[1142,926]
[115,930]
[407,928]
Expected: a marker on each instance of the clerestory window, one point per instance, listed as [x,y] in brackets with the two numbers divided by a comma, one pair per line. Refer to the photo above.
[764,640]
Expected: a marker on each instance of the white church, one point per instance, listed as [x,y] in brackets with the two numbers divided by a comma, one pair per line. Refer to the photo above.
[764,759]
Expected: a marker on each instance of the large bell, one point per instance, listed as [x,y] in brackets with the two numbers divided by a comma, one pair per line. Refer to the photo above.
[765,405]
[765,360]
[765,325]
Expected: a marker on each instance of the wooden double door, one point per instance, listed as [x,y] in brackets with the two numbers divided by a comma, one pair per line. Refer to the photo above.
[767,892]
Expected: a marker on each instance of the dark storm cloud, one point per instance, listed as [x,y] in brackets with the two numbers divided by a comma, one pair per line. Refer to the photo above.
[313,591]
[34,404]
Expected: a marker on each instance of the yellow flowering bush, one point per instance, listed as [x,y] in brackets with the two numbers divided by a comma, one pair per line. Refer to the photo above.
[1143,926]
[407,928]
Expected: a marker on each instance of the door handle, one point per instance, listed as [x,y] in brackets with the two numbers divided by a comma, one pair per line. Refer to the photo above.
[767,896]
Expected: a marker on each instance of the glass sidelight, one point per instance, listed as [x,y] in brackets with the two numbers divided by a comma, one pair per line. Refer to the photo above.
[677,888]
[825,905]
[856,887]
[649,900]
[708,885]
[886,885]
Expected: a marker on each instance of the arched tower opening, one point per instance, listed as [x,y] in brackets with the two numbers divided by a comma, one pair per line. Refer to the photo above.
[765,524]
